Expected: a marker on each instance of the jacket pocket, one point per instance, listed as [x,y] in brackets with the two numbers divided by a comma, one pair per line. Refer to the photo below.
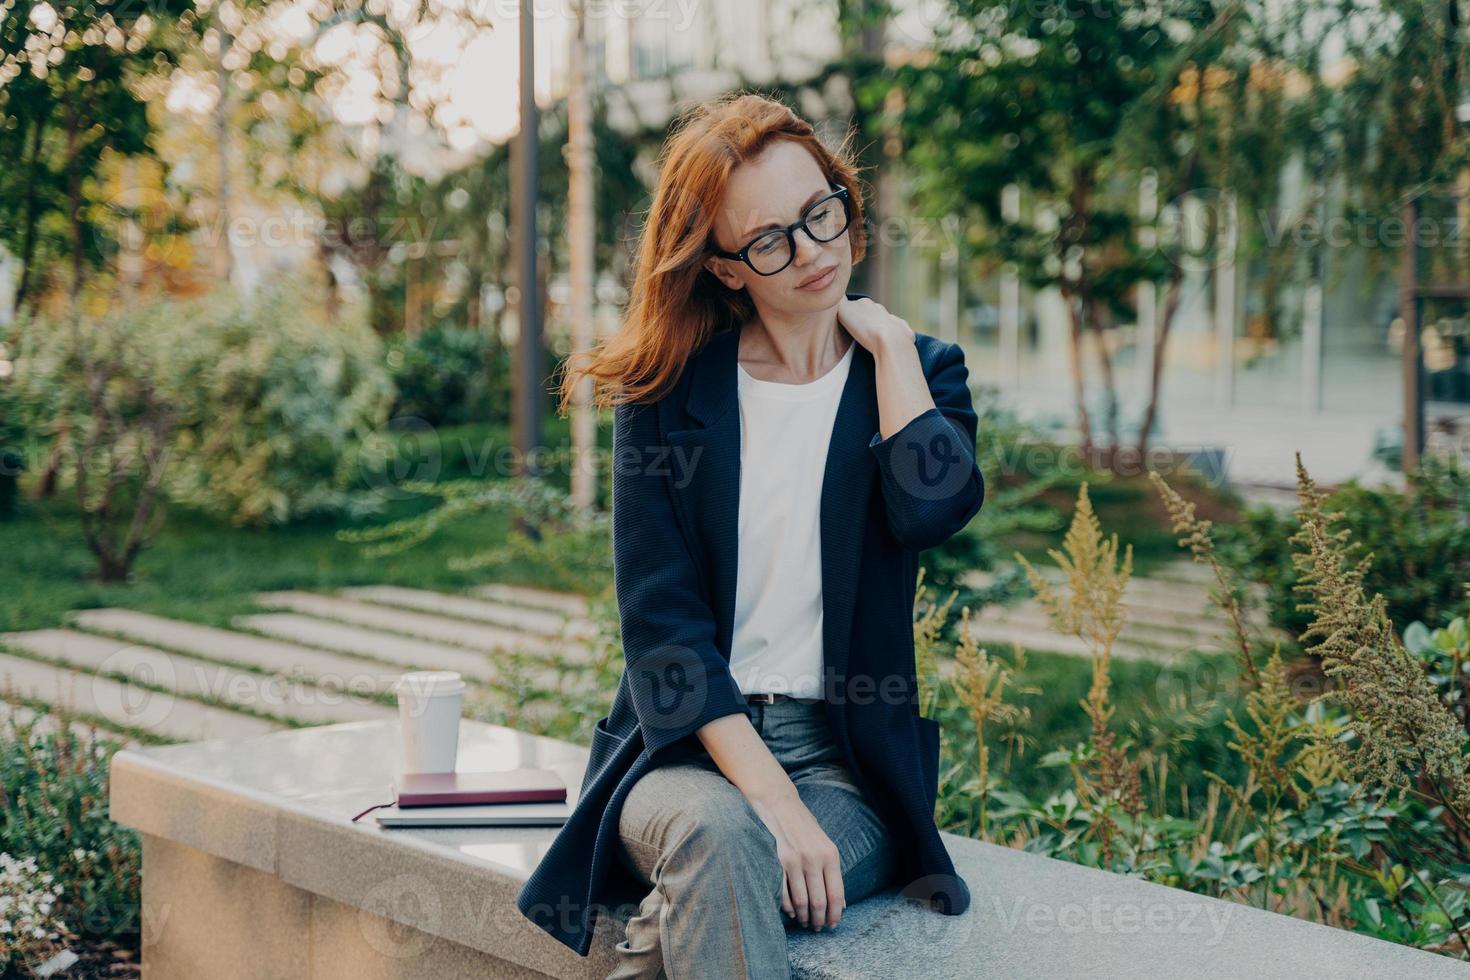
[605,745]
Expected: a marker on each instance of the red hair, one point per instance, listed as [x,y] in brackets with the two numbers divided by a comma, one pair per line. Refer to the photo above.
[676,305]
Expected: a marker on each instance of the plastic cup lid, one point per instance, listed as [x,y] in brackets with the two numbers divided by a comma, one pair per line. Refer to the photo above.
[428,683]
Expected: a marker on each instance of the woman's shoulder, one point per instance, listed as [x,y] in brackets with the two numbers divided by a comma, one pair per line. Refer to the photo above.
[934,351]
[675,392]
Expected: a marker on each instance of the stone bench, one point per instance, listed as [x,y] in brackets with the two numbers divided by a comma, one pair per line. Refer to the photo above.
[252,868]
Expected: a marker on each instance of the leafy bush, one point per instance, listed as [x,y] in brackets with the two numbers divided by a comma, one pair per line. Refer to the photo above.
[109,394]
[573,546]
[1013,503]
[1419,540]
[252,409]
[281,401]
[12,435]
[1354,800]
[30,926]
[442,376]
[54,810]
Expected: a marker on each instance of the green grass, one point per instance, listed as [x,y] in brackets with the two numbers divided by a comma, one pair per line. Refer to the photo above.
[1185,698]
[1130,507]
[203,570]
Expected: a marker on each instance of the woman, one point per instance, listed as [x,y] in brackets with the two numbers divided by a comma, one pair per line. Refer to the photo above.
[781,452]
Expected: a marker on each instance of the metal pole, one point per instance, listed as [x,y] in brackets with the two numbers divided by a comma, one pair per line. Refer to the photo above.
[1409,313]
[581,242]
[529,339]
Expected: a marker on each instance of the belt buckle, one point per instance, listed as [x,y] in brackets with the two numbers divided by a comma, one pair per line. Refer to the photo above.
[767,697]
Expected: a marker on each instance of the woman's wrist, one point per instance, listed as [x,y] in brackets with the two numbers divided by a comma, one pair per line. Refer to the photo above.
[772,793]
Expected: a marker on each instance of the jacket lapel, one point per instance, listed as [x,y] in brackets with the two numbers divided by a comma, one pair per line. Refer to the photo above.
[707,457]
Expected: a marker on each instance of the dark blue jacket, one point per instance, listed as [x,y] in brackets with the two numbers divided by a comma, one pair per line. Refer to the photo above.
[676,480]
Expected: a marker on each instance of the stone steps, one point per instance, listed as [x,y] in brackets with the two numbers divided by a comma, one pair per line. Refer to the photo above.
[542,622]
[407,652]
[1033,615]
[1184,570]
[321,659]
[568,603]
[403,652]
[998,637]
[1184,634]
[1168,613]
[482,637]
[353,674]
[200,679]
[128,705]
[1147,602]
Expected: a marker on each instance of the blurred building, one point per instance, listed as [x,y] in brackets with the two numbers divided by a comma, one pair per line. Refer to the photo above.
[1324,376]
[1247,388]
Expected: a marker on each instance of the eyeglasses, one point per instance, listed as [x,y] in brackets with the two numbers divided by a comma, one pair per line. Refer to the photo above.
[773,251]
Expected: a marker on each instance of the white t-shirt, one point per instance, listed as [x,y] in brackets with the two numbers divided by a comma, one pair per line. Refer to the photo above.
[785,431]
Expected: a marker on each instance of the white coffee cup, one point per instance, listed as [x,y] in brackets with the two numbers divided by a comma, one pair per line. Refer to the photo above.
[429,706]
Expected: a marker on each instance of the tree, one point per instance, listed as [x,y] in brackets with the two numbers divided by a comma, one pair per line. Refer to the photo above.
[1072,103]
[67,99]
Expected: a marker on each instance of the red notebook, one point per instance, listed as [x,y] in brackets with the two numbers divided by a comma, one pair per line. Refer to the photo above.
[525,785]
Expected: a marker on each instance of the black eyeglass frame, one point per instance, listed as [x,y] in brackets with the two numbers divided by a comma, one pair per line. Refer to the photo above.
[790,230]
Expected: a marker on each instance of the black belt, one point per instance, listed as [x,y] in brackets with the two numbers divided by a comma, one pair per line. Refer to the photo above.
[771,697]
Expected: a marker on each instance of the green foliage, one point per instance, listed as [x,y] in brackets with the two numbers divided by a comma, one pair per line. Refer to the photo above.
[281,400]
[12,433]
[1418,539]
[1304,820]
[69,101]
[442,375]
[54,808]
[572,547]
[1445,653]
[252,410]
[109,394]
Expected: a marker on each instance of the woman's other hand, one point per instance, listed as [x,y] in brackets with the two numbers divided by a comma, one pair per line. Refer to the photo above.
[812,892]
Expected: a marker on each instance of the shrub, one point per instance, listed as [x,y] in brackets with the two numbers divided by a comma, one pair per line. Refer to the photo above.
[1014,502]
[1418,539]
[30,928]
[442,376]
[252,409]
[572,545]
[12,435]
[109,393]
[54,810]
[281,402]
[1352,810]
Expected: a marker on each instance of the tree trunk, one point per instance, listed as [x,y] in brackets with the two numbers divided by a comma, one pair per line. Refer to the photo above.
[1110,388]
[1156,373]
[1079,388]
[28,247]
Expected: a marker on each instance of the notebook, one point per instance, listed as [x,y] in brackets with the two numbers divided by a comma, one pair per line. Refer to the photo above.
[524,785]
[525,797]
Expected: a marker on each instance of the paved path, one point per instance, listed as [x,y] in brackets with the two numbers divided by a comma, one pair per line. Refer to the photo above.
[198,678]
[1169,614]
[128,705]
[318,658]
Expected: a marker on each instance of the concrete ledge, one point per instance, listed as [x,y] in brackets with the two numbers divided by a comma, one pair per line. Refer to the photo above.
[252,866]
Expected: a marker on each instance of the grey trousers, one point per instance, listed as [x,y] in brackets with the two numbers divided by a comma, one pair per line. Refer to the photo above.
[714,908]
